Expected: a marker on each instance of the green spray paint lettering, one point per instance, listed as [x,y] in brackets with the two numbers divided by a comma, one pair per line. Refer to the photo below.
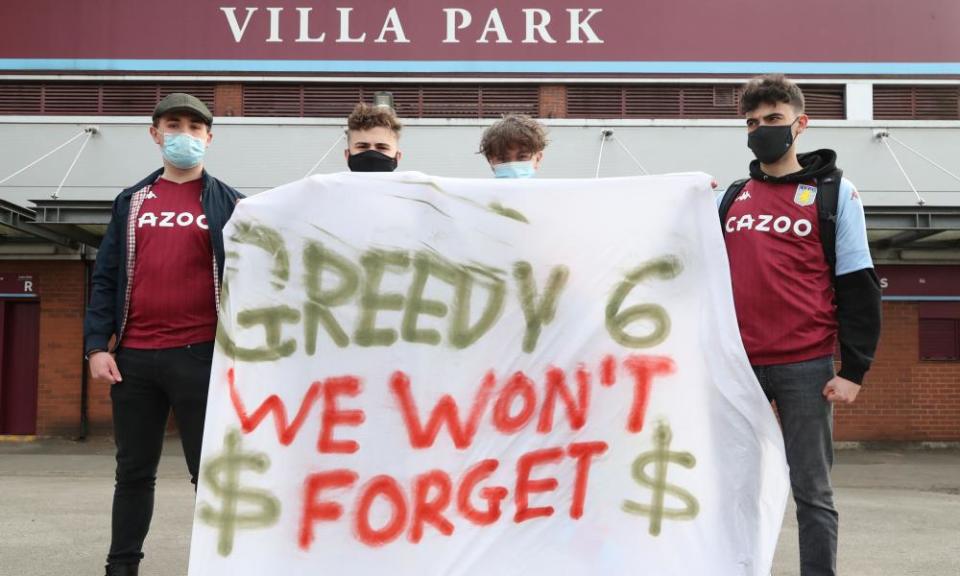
[463,279]
[271,242]
[272,319]
[663,268]
[462,334]
[538,314]
[661,457]
[316,310]
[222,476]
[425,266]
[375,263]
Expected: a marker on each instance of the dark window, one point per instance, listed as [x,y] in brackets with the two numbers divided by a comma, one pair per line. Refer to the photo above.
[940,331]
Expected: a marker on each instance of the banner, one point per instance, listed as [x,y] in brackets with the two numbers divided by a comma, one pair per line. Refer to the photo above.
[430,376]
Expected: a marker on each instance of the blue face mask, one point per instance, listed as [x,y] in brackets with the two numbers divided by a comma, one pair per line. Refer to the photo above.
[522,169]
[183,150]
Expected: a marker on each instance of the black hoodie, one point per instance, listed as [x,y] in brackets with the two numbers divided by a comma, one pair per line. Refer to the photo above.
[856,295]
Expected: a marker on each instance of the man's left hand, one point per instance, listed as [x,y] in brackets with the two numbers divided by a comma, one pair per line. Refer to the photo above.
[841,390]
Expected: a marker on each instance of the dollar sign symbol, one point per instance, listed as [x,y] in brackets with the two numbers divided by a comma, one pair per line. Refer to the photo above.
[222,475]
[661,457]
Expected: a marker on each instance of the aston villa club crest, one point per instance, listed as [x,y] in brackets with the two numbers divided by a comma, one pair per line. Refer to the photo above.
[805,195]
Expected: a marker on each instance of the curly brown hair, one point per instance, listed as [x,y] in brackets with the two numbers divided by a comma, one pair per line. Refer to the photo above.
[514,131]
[365,117]
[771,89]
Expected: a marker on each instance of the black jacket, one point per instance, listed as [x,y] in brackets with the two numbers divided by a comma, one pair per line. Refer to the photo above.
[110,288]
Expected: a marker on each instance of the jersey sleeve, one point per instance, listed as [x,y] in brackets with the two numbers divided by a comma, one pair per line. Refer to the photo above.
[853,251]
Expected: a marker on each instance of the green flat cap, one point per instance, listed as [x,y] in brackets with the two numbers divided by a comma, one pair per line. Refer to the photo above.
[181,102]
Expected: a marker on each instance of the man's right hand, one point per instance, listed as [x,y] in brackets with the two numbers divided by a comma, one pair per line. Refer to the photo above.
[104,367]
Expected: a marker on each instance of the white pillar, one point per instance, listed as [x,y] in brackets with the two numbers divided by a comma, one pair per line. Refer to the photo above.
[859,101]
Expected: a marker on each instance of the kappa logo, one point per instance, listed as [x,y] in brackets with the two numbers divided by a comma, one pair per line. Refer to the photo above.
[805,195]
[150,195]
[745,195]
[171,220]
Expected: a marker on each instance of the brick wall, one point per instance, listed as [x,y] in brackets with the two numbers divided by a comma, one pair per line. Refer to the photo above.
[553,101]
[60,288]
[903,398]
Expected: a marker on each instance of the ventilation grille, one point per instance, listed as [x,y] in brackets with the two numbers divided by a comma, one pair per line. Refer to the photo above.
[904,102]
[92,98]
[684,101]
[410,100]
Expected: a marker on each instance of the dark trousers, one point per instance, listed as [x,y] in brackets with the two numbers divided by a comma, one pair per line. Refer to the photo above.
[807,422]
[154,381]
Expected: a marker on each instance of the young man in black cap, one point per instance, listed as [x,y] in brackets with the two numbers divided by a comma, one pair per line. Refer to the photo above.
[152,317]
[802,279]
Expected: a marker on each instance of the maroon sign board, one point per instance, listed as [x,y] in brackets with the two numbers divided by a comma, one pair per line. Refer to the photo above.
[916,282]
[15,285]
[484,36]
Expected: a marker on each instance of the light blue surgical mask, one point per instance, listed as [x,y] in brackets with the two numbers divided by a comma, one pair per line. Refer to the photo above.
[523,169]
[183,150]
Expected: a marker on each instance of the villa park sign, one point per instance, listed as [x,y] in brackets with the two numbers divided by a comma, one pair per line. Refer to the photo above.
[481,36]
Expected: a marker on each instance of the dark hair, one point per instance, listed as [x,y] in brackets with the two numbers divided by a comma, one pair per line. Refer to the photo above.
[513,131]
[365,117]
[771,89]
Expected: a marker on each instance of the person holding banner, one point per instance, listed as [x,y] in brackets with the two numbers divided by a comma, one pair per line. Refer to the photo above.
[514,146]
[373,138]
[802,277]
[155,295]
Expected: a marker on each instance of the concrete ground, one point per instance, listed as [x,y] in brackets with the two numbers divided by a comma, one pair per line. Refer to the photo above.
[899,512]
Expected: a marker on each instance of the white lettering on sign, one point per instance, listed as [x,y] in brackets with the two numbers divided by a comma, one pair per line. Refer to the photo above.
[537,20]
[392,24]
[236,28]
[28,285]
[305,27]
[457,19]
[884,283]
[494,24]
[577,26]
[274,24]
[345,27]
[310,25]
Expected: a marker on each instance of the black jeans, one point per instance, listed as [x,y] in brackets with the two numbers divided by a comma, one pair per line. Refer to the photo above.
[807,422]
[154,381]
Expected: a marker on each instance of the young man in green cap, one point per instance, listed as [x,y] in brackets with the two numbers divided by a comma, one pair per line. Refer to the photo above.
[150,325]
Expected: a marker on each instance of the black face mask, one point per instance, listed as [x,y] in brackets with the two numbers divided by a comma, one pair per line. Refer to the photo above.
[770,143]
[371,161]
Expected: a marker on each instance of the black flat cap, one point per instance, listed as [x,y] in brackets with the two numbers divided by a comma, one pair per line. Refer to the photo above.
[181,102]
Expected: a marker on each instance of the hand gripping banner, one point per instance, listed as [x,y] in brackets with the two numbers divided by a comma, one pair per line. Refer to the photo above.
[431,376]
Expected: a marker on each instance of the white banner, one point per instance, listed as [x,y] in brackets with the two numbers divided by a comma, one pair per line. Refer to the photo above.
[430,376]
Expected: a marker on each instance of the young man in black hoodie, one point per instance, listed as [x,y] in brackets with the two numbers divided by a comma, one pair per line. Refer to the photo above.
[802,277]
